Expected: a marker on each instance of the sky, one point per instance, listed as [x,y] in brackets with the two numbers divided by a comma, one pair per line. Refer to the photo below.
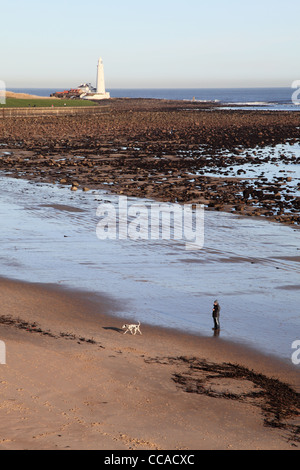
[157,44]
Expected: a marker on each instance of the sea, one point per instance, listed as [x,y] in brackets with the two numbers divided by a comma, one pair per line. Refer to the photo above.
[251,265]
[283,98]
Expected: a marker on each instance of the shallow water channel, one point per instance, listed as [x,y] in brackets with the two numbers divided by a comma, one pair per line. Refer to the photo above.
[48,235]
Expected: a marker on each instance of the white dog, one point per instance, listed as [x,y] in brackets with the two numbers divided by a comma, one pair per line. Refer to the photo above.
[132,328]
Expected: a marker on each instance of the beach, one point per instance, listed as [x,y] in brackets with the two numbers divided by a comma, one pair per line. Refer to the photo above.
[73,380]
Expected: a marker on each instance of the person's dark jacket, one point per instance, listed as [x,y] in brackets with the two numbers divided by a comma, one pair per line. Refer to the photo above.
[216,311]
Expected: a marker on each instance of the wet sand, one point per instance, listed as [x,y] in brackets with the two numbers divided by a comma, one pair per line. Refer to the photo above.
[73,380]
[244,262]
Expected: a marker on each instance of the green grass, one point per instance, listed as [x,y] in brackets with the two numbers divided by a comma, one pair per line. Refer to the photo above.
[44,103]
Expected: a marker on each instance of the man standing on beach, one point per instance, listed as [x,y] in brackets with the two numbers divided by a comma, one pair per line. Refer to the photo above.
[216,315]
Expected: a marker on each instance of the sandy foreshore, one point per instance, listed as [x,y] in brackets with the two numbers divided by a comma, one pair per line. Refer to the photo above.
[24,96]
[73,380]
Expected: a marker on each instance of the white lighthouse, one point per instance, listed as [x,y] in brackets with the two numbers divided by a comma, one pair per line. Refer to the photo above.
[100,93]
[100,78]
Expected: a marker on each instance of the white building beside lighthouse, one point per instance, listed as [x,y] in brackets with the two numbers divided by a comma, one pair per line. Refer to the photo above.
[100,93]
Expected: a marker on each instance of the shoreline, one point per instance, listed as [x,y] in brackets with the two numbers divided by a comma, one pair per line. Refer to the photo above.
[137,286]
[103,307]
[72,379]
[75,381]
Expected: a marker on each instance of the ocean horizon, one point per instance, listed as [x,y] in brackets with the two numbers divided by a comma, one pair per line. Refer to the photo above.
[274,98]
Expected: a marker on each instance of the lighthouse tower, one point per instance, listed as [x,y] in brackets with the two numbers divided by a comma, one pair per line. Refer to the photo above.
[100,78]
[100,94]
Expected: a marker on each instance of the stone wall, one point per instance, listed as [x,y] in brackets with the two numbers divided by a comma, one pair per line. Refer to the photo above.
[15,112]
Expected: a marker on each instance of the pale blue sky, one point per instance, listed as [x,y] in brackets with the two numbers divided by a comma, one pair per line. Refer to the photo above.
[166,43]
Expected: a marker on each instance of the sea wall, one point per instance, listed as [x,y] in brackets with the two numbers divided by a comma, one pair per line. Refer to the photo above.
[29,112]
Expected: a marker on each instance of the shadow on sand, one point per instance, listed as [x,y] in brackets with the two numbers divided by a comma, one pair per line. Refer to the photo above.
[113,328]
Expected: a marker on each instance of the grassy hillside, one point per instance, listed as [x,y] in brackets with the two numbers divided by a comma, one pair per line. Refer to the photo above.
[45,103]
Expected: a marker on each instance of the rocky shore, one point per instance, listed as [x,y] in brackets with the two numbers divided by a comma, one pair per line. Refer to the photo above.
[184,152]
